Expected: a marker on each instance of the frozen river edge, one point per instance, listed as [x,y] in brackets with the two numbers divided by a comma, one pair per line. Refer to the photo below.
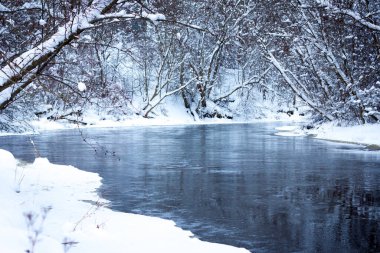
[52,208]
[367,135]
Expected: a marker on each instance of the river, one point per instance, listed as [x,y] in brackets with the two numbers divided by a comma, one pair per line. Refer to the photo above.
[237,184]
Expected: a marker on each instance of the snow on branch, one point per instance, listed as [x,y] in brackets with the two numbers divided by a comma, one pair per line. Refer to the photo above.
[159,100]
[189,25]
[247,84]
[153,17]
[3,8]
[25,7]
[355,15]
[301,94]
[26,64]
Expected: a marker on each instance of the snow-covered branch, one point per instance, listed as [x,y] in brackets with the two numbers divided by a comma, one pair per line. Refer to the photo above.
[355,15]
[26,64]
[154,104]
[294,87]
[24,7]
[17,69]
[247,84]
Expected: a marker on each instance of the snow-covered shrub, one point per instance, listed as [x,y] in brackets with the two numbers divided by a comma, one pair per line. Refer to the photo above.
[371,102]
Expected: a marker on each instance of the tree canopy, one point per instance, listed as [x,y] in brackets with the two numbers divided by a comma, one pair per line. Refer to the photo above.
[219,56]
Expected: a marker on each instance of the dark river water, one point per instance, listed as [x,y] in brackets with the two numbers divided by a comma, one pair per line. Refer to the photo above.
[234,184]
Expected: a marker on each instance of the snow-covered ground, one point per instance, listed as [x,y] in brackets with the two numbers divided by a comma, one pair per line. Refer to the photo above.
[368,134]
[289,131]
[47,207]
[172,112]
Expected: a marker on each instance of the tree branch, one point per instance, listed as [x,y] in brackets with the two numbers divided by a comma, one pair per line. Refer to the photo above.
[356,16]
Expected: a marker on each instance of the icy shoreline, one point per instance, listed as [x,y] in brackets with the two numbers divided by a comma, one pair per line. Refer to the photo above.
[76,217]
[172,113]
[368,135]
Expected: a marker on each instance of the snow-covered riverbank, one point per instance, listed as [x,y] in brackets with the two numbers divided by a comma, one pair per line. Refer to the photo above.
[368,134]
[173,113]
[76,218]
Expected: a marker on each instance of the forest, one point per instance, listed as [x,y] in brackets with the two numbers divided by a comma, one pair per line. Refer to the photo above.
[219,58]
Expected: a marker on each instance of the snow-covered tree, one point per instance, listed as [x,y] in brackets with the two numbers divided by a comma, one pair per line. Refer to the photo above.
[220,57]
[67,20]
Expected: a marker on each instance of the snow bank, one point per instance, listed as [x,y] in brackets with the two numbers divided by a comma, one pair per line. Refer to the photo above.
[290,134]
[287,128]
[76,216]
[368,134]
[8,163]
[170,113]
[289,131]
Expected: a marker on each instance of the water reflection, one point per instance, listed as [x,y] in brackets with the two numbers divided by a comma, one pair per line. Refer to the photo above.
[235,184]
